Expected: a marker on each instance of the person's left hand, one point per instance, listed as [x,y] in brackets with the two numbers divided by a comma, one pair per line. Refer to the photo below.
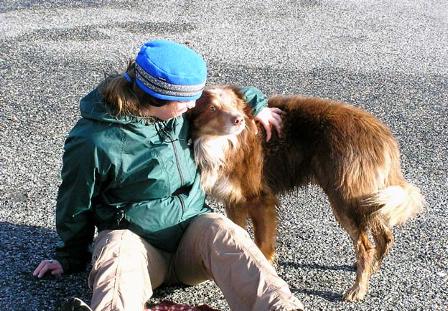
[269,117]
[52,266]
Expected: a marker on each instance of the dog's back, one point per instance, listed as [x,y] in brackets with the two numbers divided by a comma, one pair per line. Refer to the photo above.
[345,150]
[334,144]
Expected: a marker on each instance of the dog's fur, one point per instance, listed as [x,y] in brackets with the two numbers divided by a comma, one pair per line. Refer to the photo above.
[349,153]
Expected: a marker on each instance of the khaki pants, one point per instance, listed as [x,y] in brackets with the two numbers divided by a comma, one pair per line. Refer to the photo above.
[126,269]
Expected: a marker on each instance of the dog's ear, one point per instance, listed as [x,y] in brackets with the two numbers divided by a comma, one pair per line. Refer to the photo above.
[201,102]
[237,91]
[241,100]
[204,99]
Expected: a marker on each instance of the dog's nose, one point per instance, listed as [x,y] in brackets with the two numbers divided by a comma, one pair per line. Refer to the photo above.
[238,120]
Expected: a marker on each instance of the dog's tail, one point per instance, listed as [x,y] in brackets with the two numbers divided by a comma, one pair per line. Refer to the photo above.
[397,203]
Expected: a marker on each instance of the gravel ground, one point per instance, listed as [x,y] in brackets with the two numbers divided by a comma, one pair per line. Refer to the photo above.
[389,57]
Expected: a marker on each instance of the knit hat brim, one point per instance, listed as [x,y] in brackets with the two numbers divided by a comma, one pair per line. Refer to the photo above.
[165,96]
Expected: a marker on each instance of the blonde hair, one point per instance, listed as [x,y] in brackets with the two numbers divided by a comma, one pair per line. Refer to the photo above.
[124,97]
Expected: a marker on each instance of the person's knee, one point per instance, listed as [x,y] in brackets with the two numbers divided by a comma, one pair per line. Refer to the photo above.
[119,250]
[218,227]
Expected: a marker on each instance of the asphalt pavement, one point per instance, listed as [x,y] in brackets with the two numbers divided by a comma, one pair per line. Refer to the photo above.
[388,57]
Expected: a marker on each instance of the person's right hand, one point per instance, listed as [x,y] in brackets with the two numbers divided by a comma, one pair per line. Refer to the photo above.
[52,266]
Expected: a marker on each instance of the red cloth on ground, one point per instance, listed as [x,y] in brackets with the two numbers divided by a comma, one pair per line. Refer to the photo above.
[172,306]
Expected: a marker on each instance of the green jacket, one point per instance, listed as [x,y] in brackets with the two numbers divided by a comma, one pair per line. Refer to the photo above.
[126,172]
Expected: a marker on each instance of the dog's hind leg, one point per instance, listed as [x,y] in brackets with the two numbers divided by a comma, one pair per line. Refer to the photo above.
[384,240]
[263,214]
[363,247]
[345,221]
[364,257]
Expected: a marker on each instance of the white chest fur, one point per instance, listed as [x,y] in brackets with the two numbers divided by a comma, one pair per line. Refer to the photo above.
[212,154]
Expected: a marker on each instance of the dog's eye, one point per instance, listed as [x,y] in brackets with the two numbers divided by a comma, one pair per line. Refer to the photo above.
[212,108]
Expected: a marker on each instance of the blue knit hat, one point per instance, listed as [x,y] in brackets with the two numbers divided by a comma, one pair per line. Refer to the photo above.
[170,71]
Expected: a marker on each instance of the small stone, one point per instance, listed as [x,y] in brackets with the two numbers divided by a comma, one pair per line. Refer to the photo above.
[441,274]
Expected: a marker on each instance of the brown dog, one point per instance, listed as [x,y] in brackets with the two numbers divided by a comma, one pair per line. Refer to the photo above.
[349,153]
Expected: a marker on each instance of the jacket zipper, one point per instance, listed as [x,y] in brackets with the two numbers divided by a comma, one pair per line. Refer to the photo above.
[177,160]
[179,169]
[182,203]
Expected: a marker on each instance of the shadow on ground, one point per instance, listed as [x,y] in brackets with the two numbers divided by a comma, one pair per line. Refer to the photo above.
[22,247]
[311,268]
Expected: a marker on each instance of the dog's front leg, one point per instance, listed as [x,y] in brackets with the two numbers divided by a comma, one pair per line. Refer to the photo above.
[263,213]
[238,214]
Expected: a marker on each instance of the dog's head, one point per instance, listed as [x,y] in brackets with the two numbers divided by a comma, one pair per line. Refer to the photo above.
[219,111]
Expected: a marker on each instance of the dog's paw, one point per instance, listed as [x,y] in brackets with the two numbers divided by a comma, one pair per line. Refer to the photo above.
[356,293]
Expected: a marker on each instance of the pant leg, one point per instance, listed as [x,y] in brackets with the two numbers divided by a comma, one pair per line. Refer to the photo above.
[125,270]
[213,247]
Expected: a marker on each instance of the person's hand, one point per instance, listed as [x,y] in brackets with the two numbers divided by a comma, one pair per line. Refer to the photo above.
[52,266]
[269,117]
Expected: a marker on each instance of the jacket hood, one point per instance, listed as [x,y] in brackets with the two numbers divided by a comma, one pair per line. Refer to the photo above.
[93,107]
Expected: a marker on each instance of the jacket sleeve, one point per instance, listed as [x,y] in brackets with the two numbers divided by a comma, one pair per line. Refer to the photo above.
[74,219]
[255,98]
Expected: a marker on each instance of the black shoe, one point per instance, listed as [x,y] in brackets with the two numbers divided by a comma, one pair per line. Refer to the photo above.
[74,304]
